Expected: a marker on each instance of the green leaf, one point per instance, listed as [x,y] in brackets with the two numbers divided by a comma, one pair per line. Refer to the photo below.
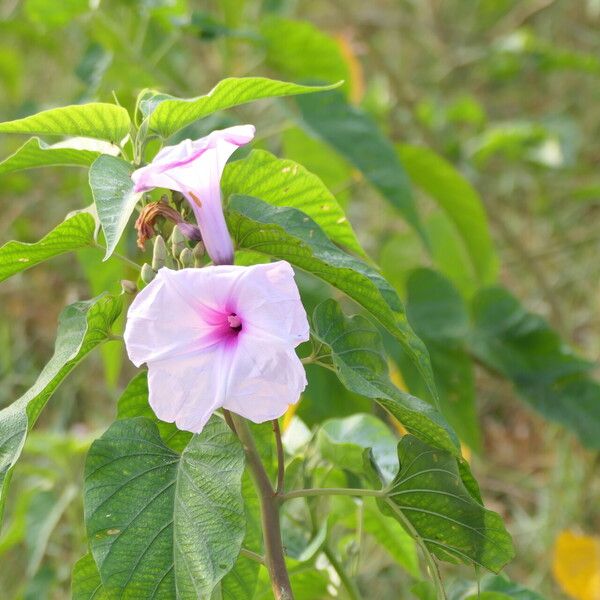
[298,49]
[286,183]
[439,315]
[35,153]
[290,234]
[73,233]
[160,524]
[134,403]
[112,188]
[343,441]
[167,115]
[240,583]
[459,200]
[428,497]
[355,136]
[392,536]
[546,372]
[81,327]
[357,354]
[493,586]
[85,582]
[96,120]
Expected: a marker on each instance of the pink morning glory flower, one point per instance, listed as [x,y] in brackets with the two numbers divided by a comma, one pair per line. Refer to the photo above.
[194,169]
[221,336]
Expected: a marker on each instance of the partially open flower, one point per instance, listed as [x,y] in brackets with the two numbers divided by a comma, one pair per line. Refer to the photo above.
[219,336]
[194,168]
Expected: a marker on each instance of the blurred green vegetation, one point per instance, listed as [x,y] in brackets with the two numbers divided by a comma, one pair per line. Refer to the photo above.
[505,90]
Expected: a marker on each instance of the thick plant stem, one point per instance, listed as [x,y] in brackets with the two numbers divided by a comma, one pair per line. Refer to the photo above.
[274,557]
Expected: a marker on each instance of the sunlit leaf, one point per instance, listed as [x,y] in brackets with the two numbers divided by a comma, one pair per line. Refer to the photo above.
[82,326]
[286,183]
[96,120]
[35,153]
[73,233]
[168,115]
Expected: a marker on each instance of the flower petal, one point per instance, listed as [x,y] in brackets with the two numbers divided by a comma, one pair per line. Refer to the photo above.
[187,390]
[268,303]
[264,379]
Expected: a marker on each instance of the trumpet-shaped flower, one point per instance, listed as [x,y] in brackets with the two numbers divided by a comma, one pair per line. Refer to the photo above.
[221,336]
[194,169]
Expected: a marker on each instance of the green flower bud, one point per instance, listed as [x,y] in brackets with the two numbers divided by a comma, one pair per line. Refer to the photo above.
[186,259]
[198,254]
[159,256]
[128,287]
[147,274]
[178,242]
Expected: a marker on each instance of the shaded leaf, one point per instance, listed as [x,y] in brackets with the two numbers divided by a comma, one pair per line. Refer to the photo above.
[112,188]
[358,357]
[291,235]
[160,524]
[73,233]
[459,200]
[167,115]
[85,582]
[355,136]
[428,497]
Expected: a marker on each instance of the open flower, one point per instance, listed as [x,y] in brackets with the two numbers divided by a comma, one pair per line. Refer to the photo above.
[194,169]
[219,337]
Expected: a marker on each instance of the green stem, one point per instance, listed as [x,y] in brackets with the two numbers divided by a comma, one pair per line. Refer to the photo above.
[252,556]
[433,568]
[274,556]
[351,587]
[119,256]
[330,492]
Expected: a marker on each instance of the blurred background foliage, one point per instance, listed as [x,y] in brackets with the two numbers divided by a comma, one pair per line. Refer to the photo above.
[448,108]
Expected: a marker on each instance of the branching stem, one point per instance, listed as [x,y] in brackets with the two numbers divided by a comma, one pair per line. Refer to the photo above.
[274,556]
[280,458]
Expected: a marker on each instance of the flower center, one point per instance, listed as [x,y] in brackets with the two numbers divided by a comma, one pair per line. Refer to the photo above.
[234,322]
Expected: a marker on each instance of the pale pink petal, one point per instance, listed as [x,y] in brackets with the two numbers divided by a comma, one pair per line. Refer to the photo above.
[195,169]
[187,390]
[268,302]
[265,378]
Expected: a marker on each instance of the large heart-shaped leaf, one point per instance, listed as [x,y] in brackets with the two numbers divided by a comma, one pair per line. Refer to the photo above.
[112,188]
[428,497]
[162,525]
[355,136]
[96,120]
[73,233]
[35,153]
[358,357]
[286,183]
[167,115]
[81,327]
[290,234]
